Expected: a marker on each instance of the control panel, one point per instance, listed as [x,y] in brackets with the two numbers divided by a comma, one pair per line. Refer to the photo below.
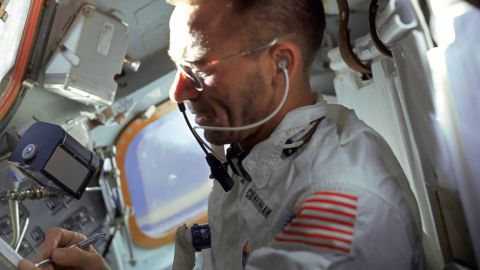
[86,216]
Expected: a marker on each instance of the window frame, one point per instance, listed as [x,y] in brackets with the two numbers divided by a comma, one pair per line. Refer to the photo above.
[126,136]
[14,84]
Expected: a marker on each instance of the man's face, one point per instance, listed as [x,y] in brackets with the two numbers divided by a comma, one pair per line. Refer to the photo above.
[235,93]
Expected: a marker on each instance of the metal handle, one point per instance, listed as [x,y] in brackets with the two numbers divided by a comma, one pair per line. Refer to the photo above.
[346,50]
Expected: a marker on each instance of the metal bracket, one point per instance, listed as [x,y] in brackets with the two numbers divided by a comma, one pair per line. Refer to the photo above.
[29,84]
[3,11]
[122,212]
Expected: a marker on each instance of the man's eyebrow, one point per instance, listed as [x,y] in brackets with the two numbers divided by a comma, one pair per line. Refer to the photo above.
[200,60]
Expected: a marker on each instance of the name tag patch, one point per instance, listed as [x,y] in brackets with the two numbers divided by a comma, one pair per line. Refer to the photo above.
[258,203]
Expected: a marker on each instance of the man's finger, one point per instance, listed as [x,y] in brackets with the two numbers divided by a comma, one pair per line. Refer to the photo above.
[76,257]
[26,265]
[57,237]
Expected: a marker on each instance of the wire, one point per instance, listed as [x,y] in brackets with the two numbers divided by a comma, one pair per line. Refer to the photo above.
[199,139]
[22,234]
[181,106]
[109,242]
[15,220]
[217,169]
[33,193]
[258,123]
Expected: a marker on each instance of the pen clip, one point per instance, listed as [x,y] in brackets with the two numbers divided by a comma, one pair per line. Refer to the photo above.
[90,240]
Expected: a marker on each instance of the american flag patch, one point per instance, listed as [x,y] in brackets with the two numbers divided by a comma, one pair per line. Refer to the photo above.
[325,220]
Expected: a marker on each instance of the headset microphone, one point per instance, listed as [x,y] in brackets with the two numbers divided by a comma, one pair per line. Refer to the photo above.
[217,170]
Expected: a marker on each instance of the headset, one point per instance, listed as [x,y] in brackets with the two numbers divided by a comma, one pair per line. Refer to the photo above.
[218,170]
[282,64]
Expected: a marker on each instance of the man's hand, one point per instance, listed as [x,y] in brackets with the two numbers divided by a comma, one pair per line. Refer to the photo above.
[56,246]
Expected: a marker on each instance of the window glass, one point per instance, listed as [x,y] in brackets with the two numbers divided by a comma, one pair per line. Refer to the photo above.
[11,33]
[167,175]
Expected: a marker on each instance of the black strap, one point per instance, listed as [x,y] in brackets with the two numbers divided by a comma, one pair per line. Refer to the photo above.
[372,15]
[235,156]
[305,138]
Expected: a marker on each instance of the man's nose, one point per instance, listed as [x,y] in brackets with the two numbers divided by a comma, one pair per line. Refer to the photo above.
[182,89]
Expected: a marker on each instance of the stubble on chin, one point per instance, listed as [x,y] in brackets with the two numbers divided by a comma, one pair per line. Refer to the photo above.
[219,137]
[249,111]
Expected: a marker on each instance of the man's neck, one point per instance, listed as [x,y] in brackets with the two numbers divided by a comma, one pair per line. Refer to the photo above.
[299,97]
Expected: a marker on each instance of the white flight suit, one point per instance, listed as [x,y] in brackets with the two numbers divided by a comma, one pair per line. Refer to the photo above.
[341,201]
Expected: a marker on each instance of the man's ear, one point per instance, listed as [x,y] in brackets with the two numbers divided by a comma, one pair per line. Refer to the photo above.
[287,55]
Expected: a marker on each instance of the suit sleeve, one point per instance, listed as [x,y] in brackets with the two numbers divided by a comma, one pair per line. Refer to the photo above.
[334,229]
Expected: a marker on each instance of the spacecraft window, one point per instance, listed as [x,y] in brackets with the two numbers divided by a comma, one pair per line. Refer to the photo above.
[165,172]
[12,23]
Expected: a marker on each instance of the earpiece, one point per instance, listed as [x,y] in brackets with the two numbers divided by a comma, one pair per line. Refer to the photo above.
[282,63]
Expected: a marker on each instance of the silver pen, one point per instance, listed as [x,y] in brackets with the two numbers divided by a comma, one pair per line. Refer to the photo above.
[82,244]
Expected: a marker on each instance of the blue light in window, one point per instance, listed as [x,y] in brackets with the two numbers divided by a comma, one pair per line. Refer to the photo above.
[167,174]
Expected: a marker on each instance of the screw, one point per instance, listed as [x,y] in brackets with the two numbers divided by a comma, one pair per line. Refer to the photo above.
[88,10]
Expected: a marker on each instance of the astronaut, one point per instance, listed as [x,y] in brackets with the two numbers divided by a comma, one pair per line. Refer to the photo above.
[314,187]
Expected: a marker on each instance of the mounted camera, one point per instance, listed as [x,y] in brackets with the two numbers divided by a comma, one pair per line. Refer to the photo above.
[55,159]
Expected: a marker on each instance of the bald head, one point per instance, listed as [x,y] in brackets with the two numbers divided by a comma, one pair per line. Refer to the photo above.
[212,21]
[257,21]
